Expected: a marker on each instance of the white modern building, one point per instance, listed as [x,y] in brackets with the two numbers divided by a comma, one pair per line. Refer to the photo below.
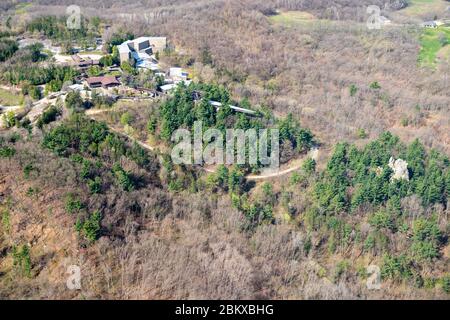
[141,51]
[178,75]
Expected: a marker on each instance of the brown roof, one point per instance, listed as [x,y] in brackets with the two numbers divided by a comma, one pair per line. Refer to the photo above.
[109,80]
[93,80]
[105,81]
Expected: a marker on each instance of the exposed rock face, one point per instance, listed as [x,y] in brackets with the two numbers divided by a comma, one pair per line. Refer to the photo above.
[400,168]
[398,4]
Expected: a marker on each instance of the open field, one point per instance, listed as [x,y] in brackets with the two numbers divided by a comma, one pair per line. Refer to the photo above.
[434,41]
[8,98]
[22,8]
[292,18]
[425,7]
[444,54]
[306,20]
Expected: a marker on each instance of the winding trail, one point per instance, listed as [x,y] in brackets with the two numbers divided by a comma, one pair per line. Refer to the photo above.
[92,112]
[39,107]
[313,153]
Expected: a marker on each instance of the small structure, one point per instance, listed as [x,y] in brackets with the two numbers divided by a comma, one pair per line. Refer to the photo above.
[430,24]
[167,88]
[218,105]
[105,82]
[145,61]
[83,63]
[178,75]
[400,168]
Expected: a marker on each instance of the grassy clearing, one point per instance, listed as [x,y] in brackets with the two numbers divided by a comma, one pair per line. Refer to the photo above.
[113,73]
[22,8]
[424,7]
[434,41]
[292,18]
[305,20]
[8,98]
[444,54]
[86,53]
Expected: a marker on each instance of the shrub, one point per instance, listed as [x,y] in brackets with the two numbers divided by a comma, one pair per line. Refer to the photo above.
[6,220]
[95,186]
[27,170]
[309,166]
[405,122]
[85,169]
[396,268]
[54,85]
[375,85]
[125,119]
[152,124]
[9,119]
[22,260]
[73,204]
[74,100]
[341,268]
[370,242]
[426,239]
[7,152]
[424,229]
[35,93]
[48,116]
[7,49]
[353,90]
[90,227]
[445,283]
[256,213]
[235,180]
[424,250]
[361,133]
[382,219]
[123,178]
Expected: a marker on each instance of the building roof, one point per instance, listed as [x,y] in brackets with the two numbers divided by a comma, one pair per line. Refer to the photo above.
[168,87]
[110,80]
[235,108]
[133,45]
[124,48]
[430,23]
[105,81]
[178,72]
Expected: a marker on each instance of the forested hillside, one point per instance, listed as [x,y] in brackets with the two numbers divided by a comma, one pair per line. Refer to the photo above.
[88,180]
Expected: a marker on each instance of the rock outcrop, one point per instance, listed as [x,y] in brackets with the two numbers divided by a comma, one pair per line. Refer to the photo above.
[400,168]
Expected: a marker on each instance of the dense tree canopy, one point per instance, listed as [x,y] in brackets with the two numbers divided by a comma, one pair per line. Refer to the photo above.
[7,48]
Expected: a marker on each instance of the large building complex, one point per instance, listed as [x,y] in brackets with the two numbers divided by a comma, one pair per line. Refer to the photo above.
[139,51]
